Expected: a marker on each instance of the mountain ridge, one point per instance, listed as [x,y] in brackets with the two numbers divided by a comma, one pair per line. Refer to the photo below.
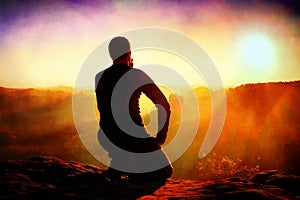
[261,122]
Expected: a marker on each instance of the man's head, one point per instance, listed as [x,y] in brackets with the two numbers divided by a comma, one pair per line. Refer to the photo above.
[119,50]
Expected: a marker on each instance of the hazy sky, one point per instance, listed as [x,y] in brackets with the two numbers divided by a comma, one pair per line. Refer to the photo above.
[46,43]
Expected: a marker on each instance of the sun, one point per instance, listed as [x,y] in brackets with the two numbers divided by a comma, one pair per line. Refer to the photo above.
[257,51]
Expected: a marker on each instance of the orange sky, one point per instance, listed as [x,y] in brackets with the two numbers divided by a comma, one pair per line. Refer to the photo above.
[46,44]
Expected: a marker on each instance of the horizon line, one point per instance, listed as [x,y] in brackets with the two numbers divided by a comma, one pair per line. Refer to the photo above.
[193,86]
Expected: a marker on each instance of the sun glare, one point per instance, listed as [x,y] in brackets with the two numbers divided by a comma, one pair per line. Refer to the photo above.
[258,51]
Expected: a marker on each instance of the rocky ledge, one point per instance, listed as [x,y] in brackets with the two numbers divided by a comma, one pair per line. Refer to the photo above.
[53,178]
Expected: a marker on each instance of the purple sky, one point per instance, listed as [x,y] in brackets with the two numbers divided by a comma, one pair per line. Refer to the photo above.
[51,39]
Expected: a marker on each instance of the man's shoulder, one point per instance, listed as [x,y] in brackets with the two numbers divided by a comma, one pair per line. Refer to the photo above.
[98,75]
[138,71]
[140,76]
[97,78]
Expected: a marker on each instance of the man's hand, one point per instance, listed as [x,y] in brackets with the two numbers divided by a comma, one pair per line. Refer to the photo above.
[161,138]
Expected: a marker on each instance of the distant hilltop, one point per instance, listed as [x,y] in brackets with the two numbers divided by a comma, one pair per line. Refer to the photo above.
[60,87]
[56,87]
[181,89]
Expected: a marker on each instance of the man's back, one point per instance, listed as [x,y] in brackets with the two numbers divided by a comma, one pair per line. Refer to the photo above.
[105,84]
[118,90]
[122,131]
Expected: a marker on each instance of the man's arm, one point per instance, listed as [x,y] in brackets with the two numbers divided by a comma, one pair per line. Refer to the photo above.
[163,108]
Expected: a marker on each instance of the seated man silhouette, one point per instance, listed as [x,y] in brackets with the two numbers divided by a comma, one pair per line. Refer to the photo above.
[118,89]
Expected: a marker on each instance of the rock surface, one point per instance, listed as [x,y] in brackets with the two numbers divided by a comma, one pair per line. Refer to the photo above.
[52,178]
